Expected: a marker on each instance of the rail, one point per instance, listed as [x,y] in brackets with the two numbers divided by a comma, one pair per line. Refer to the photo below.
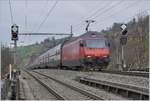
[84,92]
[58,96]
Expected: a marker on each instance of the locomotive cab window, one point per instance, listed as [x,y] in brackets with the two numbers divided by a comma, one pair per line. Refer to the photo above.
[95,43]
[82,43]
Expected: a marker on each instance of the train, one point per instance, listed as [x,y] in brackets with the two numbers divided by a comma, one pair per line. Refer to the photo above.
[88,51]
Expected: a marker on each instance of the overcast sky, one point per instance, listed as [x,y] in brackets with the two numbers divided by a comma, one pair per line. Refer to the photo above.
[29,14]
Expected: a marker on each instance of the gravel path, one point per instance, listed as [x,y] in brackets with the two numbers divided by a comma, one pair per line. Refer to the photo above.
[130,80]
[38,92]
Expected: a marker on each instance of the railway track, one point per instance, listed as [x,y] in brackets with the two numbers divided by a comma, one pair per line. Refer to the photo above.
[130,91]
[73,91]
[130,73]
[51,90]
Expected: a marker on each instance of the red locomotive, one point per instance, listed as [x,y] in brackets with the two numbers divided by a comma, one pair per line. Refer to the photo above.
[90,50]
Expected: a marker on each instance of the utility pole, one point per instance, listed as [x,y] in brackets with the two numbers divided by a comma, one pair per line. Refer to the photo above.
[71,30]
[14,32]
[15,53]
[122,55]
[15,80]
[88,24]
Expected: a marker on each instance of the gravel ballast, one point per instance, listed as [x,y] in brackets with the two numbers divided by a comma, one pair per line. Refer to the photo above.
[116,78]
[35,90]
[104,94]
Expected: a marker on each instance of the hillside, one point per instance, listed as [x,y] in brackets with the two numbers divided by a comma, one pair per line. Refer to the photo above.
[136,50]
[30,52]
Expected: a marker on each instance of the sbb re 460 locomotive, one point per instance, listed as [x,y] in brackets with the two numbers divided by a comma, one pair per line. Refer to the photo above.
[90,50]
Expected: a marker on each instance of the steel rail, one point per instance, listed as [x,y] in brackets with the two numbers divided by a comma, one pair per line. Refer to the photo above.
[52,91]
[84,92]
[129,73]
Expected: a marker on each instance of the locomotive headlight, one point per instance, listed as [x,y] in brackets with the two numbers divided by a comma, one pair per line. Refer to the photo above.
[105,56]
[89,56]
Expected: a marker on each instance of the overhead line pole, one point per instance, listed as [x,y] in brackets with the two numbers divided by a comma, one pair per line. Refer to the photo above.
[71,31]
[10,7]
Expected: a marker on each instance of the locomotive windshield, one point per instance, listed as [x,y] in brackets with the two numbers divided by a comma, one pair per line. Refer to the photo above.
[95,43]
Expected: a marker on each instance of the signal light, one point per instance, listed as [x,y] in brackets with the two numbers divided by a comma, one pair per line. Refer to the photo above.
[14,32]
[124,29]
[14,35]
[123,37]
[124,32]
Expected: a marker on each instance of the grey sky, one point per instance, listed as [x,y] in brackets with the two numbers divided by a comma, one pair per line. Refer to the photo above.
[66,13]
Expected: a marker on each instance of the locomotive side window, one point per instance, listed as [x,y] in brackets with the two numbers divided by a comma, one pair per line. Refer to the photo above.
[82,43]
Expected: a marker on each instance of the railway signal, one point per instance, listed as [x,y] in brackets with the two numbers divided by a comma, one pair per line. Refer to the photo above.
[123,41]
[15,76]
[14,32]
[123,36]
[123,27]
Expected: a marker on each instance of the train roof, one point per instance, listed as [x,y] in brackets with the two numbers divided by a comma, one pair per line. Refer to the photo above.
[56,47]
[85,35]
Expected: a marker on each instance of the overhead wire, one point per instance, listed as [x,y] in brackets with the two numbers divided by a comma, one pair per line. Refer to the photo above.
[98,10]
[106,10]
[118,11]
[131,17]
[49,12]
[40,14]
[113,6]
[127,7]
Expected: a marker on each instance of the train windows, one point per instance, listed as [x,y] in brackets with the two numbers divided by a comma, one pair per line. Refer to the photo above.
[96,43]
